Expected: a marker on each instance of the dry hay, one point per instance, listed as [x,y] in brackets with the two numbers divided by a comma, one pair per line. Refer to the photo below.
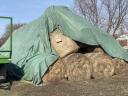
[120,65]
[62,44]
[78,67]
[74,67]
[102,65]
[55,72]
[98,49]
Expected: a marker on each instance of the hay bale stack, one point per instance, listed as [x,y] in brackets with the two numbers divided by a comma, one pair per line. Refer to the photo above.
[62,44]
[102,64]
[74,67]
[81,67]
[78,67]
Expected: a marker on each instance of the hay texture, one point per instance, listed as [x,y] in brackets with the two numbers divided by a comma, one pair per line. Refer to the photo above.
[62,44]
[74,67]
[120,66]
[55,73]
[78,67]
[102,64]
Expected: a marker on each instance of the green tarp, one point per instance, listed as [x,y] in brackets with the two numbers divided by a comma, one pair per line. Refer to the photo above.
[32,52]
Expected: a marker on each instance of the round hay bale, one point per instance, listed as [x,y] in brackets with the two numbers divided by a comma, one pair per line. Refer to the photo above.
[78,67]
[62,44]
[102,65]
[55,73]
[120,65]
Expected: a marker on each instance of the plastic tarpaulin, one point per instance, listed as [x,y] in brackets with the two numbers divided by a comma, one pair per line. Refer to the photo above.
[32,51]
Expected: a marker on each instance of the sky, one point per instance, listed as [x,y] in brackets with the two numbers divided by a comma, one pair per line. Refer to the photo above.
[28,10]
[24,11]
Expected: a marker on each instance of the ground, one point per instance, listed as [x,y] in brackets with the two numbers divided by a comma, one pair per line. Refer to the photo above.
[114,86]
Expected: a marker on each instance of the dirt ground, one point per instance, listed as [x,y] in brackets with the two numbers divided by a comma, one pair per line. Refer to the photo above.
[114,86]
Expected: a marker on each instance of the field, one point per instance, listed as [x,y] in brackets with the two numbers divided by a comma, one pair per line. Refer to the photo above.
[114,86]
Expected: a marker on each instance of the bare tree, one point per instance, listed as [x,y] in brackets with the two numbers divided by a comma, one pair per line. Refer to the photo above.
[110,15]
[117,10]
[88,8]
